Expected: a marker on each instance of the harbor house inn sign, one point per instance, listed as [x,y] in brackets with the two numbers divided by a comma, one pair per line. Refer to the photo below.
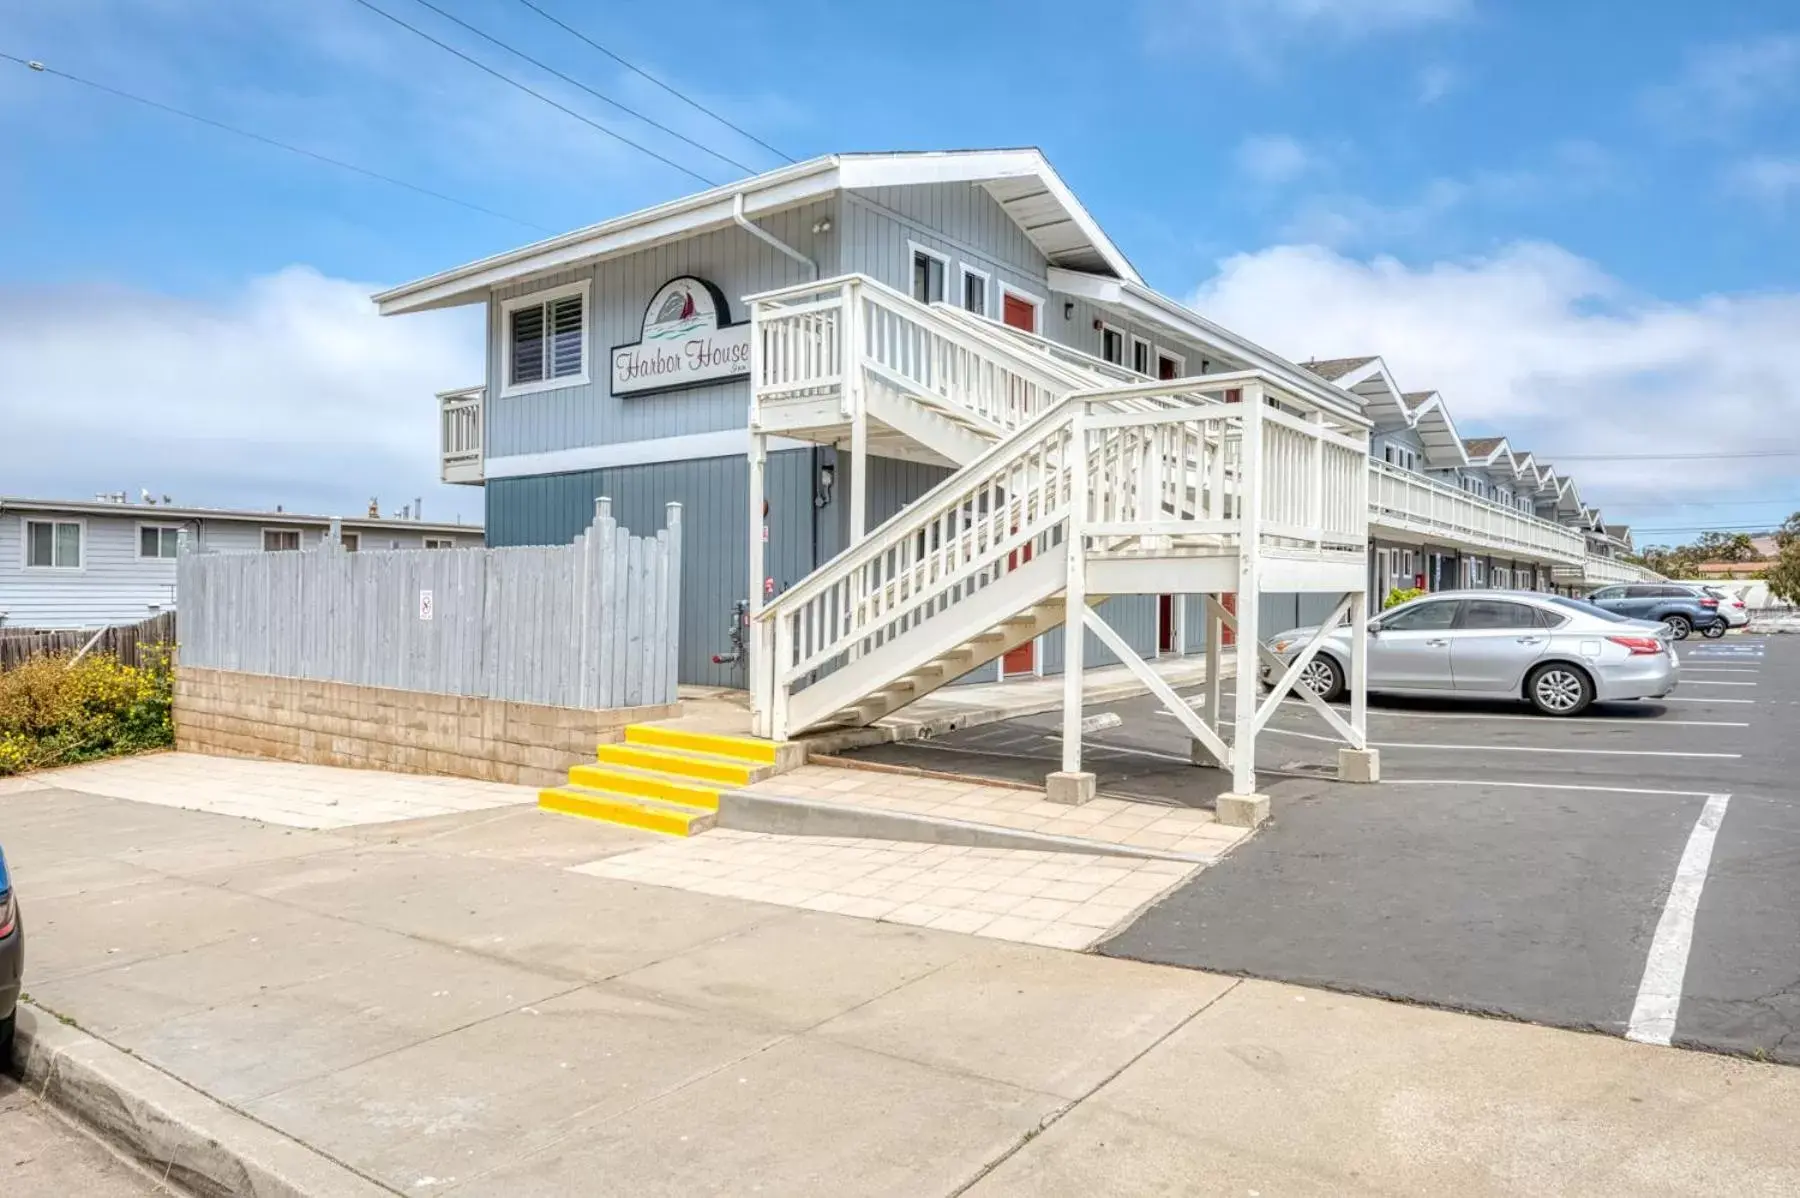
[688,338]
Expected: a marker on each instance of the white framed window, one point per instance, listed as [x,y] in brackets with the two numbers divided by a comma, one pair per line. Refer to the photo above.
[544,340]
[1112,344]
[55,544]
[281,540]
[159,541]
[351,541]
[1169,364]
[439,543]
[1016,307]
[930,274]
[1141,359]
[974,289]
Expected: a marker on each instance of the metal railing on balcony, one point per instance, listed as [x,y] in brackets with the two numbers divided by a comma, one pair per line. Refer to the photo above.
[1406,502]
[459,430]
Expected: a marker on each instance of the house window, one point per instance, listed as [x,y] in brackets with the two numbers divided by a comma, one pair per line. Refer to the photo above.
[974,290]
[279,540]
[1140,355]
[546,339]
[1169,366]
[53,544]
[158,541]
[439,543]
[351,541]
[1112,345]
[928,270]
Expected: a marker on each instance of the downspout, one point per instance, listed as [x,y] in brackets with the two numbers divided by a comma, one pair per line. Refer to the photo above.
[761,234]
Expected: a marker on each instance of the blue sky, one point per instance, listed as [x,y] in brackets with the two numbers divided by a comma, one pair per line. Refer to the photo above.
[1577,221]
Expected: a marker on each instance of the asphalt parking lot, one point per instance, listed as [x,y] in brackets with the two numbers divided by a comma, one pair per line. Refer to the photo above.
[1634,871]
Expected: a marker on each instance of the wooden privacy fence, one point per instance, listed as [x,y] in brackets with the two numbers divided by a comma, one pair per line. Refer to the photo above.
[592,624]
[121,640]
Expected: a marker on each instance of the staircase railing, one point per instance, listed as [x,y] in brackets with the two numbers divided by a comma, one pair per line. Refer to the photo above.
[1162,472]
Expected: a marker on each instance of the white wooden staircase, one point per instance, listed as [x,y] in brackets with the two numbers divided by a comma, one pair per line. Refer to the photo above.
[1074,479]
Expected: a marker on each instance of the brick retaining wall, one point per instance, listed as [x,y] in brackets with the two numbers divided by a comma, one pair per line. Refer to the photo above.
[367,727]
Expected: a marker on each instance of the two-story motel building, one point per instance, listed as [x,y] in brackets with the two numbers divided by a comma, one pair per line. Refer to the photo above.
[619,361]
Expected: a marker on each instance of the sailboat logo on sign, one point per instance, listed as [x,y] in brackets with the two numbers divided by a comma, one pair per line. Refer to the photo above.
[687,339]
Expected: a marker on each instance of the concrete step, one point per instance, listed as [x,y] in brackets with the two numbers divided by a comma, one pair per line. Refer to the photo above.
[648,784]
[686,764]
[630,811]
[716,744]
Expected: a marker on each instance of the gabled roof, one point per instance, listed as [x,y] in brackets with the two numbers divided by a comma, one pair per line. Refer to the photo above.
[1333,369]
[1020,180]
[1482,447]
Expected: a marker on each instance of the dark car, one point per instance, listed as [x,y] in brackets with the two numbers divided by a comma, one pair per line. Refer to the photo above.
[1680,609]
[12,960]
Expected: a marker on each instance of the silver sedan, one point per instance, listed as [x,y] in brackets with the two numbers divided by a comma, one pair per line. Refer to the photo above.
[1557,654]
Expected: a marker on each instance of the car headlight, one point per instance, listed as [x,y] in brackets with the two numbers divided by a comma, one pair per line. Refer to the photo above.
[1282,646]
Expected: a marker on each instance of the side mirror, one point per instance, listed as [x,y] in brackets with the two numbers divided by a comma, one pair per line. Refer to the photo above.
[1374,627]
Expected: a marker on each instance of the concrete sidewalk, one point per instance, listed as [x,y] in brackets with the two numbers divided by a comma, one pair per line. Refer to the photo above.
[443,1006]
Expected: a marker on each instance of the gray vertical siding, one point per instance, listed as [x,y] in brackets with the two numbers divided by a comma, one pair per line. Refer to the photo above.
[571,417]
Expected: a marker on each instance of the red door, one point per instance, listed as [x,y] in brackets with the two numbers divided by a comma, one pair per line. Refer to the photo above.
[1228,601]
[1165,623]
[1165,368]
[1020,314]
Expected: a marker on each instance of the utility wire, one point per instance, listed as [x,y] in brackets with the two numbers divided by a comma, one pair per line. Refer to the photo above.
[269,141]
[637,70]
[511,82]
[574,82]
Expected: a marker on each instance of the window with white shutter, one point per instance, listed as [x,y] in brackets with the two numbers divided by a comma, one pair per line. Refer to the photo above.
[545,339]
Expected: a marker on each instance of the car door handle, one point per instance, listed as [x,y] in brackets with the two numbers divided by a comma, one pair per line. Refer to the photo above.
[1437,643]
[1531,640]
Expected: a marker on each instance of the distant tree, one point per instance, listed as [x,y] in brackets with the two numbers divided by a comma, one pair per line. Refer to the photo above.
[1788,532]
[1784,576]
[1725,547]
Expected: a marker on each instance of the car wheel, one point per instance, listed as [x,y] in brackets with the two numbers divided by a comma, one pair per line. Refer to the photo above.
[1714,631]
[1322,677]
[1558,689]
[1679,626]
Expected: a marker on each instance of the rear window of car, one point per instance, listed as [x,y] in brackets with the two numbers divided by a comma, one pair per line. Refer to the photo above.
[1583,606]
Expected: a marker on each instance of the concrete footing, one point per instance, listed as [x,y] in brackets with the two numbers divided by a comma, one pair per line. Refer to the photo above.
[1073,789]
[1199,754]
[1241,811]
[1359,765]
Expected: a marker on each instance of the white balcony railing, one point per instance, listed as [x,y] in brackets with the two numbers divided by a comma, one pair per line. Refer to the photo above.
[1596,571]
[1405,502]
[459,424]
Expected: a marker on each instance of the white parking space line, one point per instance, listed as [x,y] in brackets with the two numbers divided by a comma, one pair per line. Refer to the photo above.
[1714,682]
[1391,744]
[1622,790]
[1685,699]
[1546,721]
[1720,669]
[1665,970]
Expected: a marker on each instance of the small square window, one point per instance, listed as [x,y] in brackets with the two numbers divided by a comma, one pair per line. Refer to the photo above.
[1112,345]
[158,542]
[974,292]
[928,277]
[546,339]
[281,540]
[439,543]
[352,541]
[1140,355]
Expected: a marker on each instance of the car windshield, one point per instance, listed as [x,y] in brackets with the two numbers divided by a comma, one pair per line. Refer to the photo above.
[1592,609]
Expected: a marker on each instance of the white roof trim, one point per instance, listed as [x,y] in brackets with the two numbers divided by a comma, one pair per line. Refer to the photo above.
[772,191]
[1152,306]
[158,512]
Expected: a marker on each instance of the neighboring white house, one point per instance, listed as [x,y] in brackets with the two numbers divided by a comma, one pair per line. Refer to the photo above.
[83,564]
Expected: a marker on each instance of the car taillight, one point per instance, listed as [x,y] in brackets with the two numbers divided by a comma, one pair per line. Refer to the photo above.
[1640,646]
[1737,603]
[1709,603]
[9,914]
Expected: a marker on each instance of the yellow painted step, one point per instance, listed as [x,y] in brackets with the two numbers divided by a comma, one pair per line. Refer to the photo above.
[626,810]
[682,763]
[643,785]
[743,748]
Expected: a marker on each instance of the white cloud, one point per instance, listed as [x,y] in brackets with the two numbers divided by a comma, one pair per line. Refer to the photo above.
[1256,29]
[1547,348]
[1435,82]
[1723,83]
[289,391]
[1274,158]
[1769,180]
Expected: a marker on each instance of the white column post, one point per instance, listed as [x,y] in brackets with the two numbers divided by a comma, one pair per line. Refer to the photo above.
[850,355]
[1242,806]
[760,670]
[1071,784]
[1199,754]
[1359,763]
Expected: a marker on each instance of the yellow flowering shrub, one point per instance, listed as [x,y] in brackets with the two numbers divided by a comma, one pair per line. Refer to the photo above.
[55,713]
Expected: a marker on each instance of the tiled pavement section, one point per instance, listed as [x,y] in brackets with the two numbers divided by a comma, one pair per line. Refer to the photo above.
[278,792]
[1185,830]
[1059,900]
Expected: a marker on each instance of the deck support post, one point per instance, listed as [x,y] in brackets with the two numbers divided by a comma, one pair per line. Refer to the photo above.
[1359,764]
[760,670]
[1242,806]
[1199,754]
[1071,784]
